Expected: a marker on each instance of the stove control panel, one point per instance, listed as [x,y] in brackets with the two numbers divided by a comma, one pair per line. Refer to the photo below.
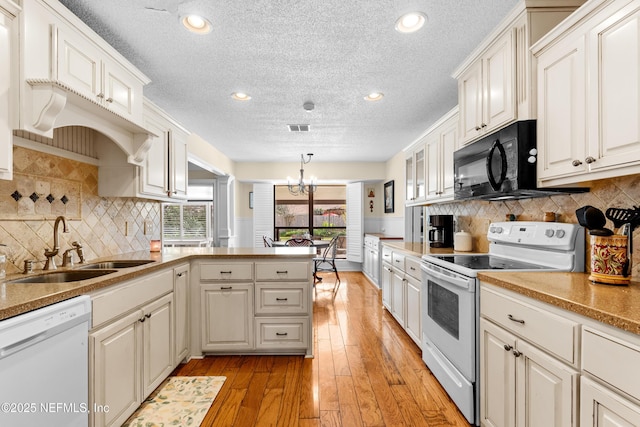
[552,235]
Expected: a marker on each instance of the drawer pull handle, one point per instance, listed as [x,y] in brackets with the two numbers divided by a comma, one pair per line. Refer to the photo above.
[282,272]
[513,319]
[142,319]
[225,288]
[180,274]
[226,272]
[507,347]
[148,315]
[516,353]
[412,268]
[282,299]
[282,334]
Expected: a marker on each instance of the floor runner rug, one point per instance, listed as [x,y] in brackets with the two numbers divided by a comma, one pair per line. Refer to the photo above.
[179,401]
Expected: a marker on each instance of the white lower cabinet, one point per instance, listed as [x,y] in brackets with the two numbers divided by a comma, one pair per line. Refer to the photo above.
[254,306]
[131,357]
[227,312]
[528,363]
[386,279]
[181,311]
[602,407]
[404,293]
[131,349]
[521,385]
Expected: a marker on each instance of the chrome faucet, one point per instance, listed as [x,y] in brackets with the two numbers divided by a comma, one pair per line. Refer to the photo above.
[50,254]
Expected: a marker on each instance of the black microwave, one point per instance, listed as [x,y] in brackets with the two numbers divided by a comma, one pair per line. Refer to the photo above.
[501,166]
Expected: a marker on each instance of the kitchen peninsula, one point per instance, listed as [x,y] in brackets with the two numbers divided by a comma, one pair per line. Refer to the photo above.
[186,302]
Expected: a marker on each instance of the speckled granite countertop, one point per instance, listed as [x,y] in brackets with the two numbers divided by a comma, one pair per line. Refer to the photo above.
[419,249]
[18,298]
[383,236]
[618,306]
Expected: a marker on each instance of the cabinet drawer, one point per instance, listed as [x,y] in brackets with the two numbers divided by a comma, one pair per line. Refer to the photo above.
[412,267]
[130,295]
[611,359]
[277,299]
[386,254]
[554,333]
[397,260]
[227,271]
[282,333]
[282,271]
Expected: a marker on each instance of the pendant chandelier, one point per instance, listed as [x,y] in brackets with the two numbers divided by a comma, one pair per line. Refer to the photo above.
[300,187]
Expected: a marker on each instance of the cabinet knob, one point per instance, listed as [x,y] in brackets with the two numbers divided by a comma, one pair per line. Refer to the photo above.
[516,353]
[109,100]
[180,274]
[484,125]
[477,127]
[576,163]
[507,347]
[100,95]
[590,160]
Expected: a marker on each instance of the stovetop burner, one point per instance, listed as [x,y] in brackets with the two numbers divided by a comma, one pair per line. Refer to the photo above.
[488,262]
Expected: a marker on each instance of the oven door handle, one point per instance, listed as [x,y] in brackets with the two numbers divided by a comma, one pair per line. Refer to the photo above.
[455,280]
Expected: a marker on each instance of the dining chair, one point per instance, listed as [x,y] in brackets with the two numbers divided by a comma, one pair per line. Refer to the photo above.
[298,242]
[327,262]
[268,241]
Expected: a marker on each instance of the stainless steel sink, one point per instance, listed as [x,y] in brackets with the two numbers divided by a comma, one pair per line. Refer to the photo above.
[63,276]
[116,264]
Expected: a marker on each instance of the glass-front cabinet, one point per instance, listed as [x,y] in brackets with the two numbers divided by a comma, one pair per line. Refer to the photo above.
[415,175]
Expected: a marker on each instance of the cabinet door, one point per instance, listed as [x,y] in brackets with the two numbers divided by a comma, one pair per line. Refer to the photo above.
[546,389]
[375,266]
[181,310]
[497,376]
[78,65]
[385,284]
[449,144]
[115,370]
[414,321]
[227,316]
[614,93]
[120,91]
[420,171]
[601,407]
[561,110]
[158,342]
[6,127]
[498,72]
[154,173]
[433,166]
[179,168]
[397,296]
[470,99]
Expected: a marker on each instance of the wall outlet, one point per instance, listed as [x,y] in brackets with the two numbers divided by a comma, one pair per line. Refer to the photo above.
[148,227]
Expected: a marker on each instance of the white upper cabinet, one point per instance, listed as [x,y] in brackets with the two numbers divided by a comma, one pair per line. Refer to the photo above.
[415,164]
[589,97]
[486,90]
[495,83]
[441,143]
[8,68]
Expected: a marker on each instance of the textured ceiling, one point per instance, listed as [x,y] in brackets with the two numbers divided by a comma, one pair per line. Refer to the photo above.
[284,53]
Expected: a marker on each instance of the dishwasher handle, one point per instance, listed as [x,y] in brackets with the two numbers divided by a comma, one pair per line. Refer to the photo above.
[15,347]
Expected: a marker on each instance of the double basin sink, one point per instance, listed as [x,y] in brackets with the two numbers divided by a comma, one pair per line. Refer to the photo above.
[84,272]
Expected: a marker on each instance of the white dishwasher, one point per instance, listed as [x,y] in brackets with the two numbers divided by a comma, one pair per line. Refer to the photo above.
[44,361]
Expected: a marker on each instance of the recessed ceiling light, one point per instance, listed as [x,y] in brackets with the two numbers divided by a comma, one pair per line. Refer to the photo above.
[410,22]
[374,96]
[240,96]
[196,24]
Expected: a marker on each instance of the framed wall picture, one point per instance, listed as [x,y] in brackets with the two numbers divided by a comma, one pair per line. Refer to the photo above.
[388,197]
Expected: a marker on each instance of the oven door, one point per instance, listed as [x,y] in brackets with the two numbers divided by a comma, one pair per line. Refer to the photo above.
[449,316]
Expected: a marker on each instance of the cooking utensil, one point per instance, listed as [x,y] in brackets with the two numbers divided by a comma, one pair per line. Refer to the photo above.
[590,217]
[627,230]
[621,216]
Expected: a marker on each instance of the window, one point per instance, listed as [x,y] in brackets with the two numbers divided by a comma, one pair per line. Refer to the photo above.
[321,214]
[186,223]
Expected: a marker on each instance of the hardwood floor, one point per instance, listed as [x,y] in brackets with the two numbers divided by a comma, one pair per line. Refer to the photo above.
[366,372]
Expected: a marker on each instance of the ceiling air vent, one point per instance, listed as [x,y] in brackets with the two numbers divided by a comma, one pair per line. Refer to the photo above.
[298,128]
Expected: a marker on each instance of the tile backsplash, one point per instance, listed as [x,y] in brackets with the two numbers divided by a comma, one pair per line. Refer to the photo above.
[104,225]
[475,216]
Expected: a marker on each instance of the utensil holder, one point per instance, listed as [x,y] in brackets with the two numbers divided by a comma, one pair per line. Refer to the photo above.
[609,259]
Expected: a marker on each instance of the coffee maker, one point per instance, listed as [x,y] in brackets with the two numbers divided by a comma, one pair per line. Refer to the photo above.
[441,231]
